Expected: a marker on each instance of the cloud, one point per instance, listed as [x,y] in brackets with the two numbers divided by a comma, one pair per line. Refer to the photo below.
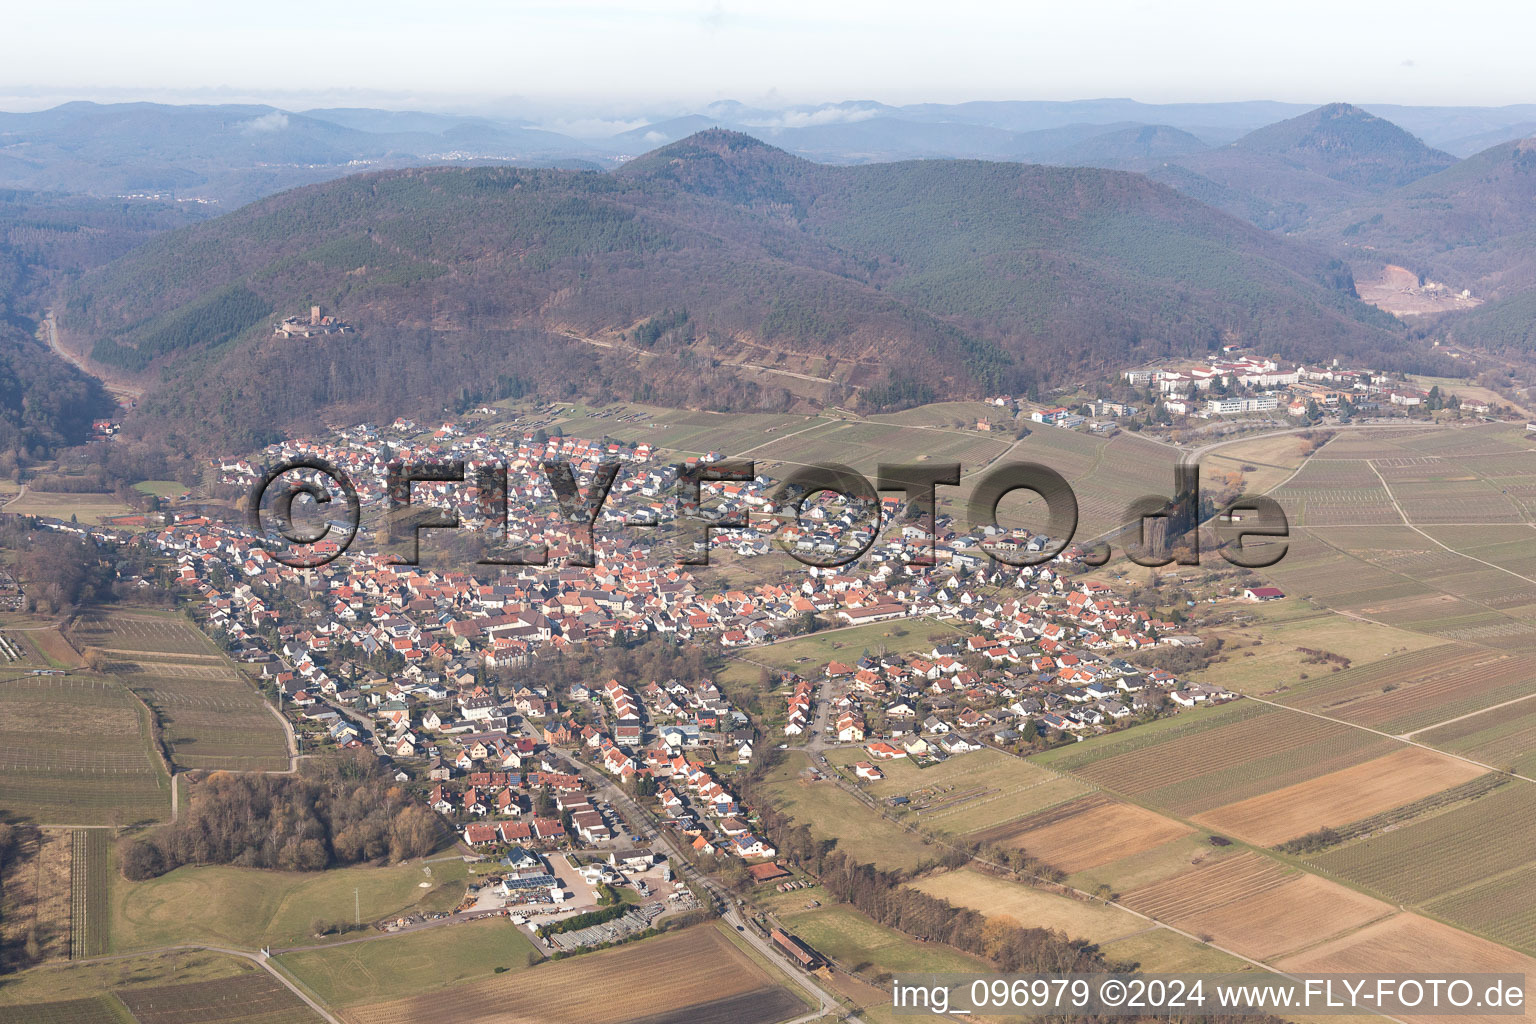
[654,137]
[276,121]
[715,19]
[820,116]
[593,127]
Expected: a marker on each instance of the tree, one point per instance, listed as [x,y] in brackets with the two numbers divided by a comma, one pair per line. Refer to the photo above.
[994,934]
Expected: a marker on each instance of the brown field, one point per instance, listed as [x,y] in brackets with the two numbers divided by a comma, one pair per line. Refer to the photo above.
[253,998]
[1408,943]
[697,975]
[1256,906]
[1340,797]
[34,896]
[52,645]
[1086,833]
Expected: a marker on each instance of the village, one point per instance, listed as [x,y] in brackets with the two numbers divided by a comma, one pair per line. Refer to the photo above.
[595,804]
[1247,385]
[437,671]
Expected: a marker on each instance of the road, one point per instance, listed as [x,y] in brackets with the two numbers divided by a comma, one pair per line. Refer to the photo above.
[363,722]
[51,329]
[632,813]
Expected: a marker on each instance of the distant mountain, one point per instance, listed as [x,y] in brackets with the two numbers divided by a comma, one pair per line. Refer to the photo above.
[1213,122]
[884,138]
[717,271]
[1470,145]
[1131,147]
[1294,173]
[233,153]
[1345,143]
[1462,131]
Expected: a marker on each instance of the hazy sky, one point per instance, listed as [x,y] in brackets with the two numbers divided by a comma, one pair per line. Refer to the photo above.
[616,56]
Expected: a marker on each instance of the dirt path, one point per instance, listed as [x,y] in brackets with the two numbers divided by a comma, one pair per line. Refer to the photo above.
[116,388]
[1470,714]
[1409,523]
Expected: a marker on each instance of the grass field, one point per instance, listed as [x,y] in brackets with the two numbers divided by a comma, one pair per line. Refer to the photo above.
[1161,951]
[1263,461]
[808,655]
[977,790]
[415,963]
[161,488]
[697,975]
[251,998]
[1271,656]
[86,508]
[860,945]
[90,878]
[78,750]
[1029,906]
[832,813]
[249,907]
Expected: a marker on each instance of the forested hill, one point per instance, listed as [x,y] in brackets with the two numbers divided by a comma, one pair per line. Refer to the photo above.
[1343,142]
[688,272]
[1295,173]
[44,240]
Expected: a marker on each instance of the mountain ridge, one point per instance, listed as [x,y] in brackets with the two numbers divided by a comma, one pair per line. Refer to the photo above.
[892,282]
